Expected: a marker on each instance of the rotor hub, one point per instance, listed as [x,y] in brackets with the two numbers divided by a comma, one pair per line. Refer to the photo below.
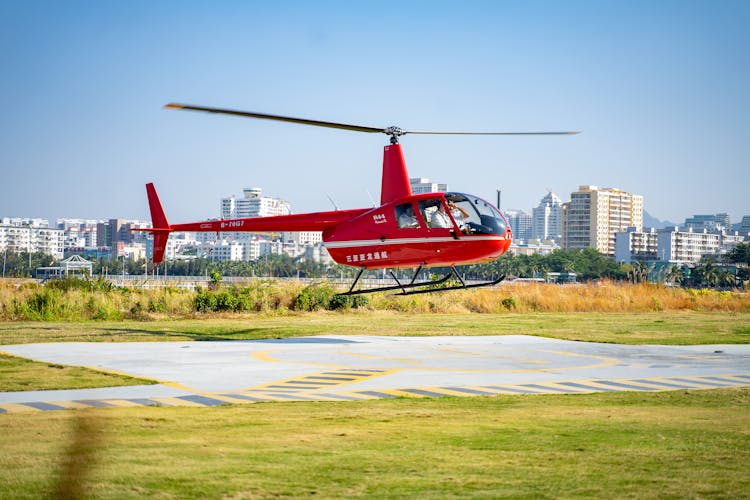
[394,132]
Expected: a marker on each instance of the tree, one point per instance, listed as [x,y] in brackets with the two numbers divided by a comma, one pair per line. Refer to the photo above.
[675,275]
[639,272]
[24,264]
[740,254]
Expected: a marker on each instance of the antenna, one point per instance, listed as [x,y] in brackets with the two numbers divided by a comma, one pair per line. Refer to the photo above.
[332,202]
[370,196]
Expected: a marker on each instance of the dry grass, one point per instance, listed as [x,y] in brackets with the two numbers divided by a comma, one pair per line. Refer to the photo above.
[34,302]
[536,297]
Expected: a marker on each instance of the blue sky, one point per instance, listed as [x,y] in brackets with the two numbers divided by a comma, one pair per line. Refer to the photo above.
[659,89]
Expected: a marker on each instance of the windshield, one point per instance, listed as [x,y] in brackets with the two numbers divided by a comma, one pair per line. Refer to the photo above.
[474,215]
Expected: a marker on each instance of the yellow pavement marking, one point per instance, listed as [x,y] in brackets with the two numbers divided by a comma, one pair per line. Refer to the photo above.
[707,379]
[448,392]
[177,402]
[266,356]
[645,382]
[382,358]
[737,377]
[318,381]
[604,361]
[121,403]
[496,356]
[227,399]
[18,408]
[70,405]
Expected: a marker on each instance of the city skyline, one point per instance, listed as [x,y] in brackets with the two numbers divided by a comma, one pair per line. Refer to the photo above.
[219,213]
[659,91]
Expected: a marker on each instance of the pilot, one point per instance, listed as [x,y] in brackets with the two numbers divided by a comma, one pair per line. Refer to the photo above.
[459,215]
[407,218]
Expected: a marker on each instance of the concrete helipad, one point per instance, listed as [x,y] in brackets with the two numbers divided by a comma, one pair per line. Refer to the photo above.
[366,367]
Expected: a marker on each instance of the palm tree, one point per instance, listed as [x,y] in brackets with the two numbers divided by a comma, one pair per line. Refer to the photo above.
[675,275]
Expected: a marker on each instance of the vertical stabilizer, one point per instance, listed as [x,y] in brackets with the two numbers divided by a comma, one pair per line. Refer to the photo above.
[395,176]
[159,222]
[158,218]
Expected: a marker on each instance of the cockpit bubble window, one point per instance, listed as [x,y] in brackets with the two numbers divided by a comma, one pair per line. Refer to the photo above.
[482,217]
[405,216]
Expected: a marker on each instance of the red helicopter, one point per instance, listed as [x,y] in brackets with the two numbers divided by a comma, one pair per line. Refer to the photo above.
[406,231]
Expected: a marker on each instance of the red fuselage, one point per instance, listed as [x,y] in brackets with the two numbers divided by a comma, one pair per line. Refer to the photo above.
[406,230]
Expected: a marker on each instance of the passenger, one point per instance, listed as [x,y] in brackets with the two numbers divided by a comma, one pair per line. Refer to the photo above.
[407,218]
[440,218]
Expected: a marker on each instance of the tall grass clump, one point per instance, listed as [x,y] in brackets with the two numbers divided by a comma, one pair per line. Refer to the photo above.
[76,300]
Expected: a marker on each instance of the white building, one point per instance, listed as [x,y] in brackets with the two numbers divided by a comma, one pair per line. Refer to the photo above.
[303,238]
[687,246]
[421,185]
[547,218]
[253,204]
[224,250]
[24,222]
[632,245]
[533,247]
[78,232]
[318,254]
[32,239]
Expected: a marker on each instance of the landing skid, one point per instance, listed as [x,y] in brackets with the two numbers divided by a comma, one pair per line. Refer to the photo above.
[414,287]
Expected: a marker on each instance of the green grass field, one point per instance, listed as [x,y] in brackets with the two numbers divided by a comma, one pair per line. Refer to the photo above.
[675,328]
[645,445]
[648,445]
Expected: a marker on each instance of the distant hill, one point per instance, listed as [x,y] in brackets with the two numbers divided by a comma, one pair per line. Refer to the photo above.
[651,221]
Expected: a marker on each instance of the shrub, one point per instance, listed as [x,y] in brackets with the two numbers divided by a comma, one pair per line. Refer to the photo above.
[314,297]
[508,302]
[205,301]
[347,302]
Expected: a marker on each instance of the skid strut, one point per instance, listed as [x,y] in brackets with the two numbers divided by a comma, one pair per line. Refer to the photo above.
[415,287]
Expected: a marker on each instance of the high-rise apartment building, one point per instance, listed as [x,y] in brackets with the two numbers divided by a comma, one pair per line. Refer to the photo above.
[253,204]
[547,218]
[593,217]
[520,223]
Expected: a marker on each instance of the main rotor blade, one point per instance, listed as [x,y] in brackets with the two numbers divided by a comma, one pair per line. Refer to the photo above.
[493,133]
[264,116]
[392,131]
